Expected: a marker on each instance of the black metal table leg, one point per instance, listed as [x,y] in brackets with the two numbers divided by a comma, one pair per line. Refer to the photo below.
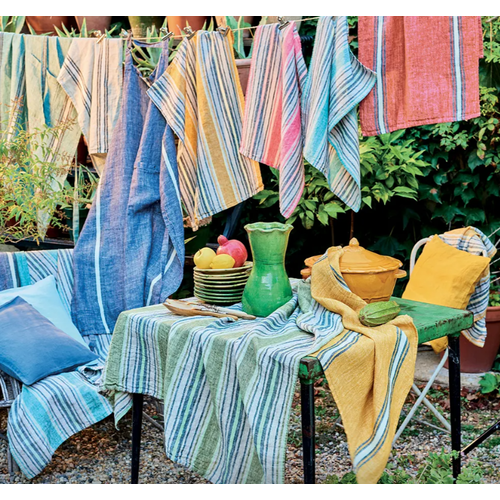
[137,404]
[455,386]
[308,430]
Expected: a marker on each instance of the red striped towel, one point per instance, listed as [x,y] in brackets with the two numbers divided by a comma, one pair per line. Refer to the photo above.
[427,70]
[272,130]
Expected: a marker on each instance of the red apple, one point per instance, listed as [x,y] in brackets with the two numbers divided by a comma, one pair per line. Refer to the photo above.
[234,248]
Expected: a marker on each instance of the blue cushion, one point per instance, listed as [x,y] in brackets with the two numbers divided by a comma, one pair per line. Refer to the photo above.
[44,297]
[32,348]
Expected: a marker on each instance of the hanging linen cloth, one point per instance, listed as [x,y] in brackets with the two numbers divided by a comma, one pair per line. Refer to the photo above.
[427,70]
[131,250]
[92,76]
[335,85]
[272,128]
[201,98]
[48,106]
[12,83]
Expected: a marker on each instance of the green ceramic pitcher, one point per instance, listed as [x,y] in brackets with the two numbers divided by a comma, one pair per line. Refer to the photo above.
[268,286]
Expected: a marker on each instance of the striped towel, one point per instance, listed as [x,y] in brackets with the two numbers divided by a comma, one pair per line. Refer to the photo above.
[272,129]
[427,70]
[12,83]
[48,106]
[92,76]
[201,98]
[336,83]
[369,370]
[47,413]
[472,240]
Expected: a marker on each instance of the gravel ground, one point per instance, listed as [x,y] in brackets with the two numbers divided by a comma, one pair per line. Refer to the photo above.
[101,454]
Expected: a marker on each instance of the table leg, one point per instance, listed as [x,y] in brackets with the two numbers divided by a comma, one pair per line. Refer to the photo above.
[308,430]
[137,404]
[455,386]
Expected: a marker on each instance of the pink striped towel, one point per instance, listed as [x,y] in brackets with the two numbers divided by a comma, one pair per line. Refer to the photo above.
[272,129]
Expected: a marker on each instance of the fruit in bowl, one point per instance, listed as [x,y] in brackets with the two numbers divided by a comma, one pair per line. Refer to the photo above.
[234,248]
[222,261]
[203,258]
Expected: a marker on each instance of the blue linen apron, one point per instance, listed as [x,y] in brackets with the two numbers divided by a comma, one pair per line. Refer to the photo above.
[131,251]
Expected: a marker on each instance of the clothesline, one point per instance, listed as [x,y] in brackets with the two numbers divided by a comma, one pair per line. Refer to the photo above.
[237,29]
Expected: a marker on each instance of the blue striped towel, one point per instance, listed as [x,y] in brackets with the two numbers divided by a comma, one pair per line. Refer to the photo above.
[337,82]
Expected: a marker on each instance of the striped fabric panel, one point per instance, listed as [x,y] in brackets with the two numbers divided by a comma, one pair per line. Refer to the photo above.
[49,412]
[92,76]
[472,240]
[337,82]
[12,83]
[201,99]
[272,129]
[228,385]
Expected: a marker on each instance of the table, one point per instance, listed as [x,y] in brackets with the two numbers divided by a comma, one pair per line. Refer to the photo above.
[431,321]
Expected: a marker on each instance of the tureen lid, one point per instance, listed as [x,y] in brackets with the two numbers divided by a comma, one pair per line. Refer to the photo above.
[357,259]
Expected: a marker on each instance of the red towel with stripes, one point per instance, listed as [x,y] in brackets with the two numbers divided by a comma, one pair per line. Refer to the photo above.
[427,70]
[272,129]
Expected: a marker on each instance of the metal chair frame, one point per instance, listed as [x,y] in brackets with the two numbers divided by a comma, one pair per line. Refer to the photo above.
[10,388]
[422,394]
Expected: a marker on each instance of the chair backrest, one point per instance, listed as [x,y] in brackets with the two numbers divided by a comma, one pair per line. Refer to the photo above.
[25,268]
[479,298]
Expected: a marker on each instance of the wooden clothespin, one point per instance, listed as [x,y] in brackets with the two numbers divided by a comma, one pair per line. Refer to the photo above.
[223,29]
[166,34]
[189,32]
[98,33]
[283,23]
[124,33]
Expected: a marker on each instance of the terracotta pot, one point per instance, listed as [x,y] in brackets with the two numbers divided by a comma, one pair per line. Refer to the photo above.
[177,23]
[475,359]
[94,22]
[140,24]
[45,24]
[243,67]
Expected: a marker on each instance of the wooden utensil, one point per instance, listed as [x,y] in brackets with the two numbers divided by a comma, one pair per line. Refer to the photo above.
[183,308]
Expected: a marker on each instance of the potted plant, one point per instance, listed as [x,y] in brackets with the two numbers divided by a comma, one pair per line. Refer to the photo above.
[140,24]
[46,24]
[177,23]
[93,23]
[250,20]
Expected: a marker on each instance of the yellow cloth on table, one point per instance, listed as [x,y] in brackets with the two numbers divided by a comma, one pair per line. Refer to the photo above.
[445,276]
[371,377]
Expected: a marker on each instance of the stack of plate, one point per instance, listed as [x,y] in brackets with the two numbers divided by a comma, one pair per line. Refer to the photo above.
[221,286]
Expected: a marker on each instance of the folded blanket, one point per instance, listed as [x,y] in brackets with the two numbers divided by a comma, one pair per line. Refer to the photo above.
[272,129]
[92,76]
[427,70]
[201,98]
[335,85]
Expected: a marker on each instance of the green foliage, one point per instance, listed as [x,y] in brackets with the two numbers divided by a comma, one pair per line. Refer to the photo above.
[12,24]
[33,193]
[435,470]
[490,382]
